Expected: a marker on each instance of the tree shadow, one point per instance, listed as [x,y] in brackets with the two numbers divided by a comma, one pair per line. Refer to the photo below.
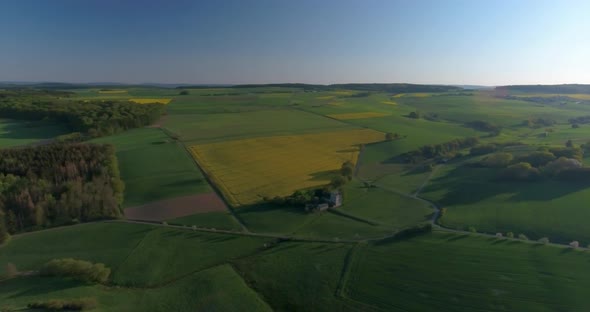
[35,286]
[10,129]
[467,185]
[325,175]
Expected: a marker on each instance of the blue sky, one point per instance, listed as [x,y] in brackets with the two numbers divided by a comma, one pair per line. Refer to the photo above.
[319,41]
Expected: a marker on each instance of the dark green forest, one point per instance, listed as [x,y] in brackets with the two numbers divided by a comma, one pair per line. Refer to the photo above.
[57,184]
[94,118]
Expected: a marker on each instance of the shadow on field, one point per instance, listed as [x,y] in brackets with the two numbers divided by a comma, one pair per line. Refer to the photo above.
[325,175]
[25,129]
[261,208]
[467,185]
[35,286]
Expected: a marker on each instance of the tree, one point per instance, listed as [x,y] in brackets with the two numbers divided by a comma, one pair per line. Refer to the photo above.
[347,170]
[537,159]
[415,115]
[575,126]
[544,240]
[522,237]
[337,182]
[184,92]
[574,244]
[569,144]
[510,235]
[562,164]
[388,136]
[497,160]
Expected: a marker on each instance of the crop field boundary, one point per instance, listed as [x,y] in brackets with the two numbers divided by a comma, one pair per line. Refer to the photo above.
[208,178]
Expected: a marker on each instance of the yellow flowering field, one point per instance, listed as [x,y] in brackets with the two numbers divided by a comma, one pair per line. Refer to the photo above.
[363,115]
[147,101]
[389,102]
[247,170]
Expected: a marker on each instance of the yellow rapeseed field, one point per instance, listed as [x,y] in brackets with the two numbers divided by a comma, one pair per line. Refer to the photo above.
[112,91]
[146,101]
[325,97]
[346,116]
[247,170]
[389,102]
[419,95]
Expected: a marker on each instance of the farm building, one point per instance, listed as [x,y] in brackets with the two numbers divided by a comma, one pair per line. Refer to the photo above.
[332,201]
[335,199]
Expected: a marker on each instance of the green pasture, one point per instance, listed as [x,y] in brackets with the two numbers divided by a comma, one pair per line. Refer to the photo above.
[451,272]
[196,128]
[154,167]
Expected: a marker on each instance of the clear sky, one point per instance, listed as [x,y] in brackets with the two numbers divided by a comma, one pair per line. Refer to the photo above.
[491,42]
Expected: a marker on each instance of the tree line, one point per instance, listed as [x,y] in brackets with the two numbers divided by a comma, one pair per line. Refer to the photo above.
[447,149]
[57,184]
[94,118]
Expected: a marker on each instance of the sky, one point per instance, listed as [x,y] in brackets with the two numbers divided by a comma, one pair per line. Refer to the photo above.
[478,42]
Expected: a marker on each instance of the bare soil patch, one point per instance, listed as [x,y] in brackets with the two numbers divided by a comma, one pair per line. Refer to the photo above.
[176,207]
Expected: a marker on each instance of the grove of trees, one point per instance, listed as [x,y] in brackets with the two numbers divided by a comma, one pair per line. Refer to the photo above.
[57,184]
[77,269]
[94,118]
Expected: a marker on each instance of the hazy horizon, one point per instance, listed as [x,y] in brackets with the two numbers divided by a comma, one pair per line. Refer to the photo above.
[231,42]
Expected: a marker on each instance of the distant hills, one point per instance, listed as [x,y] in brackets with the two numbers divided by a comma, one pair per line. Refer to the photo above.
[558,89]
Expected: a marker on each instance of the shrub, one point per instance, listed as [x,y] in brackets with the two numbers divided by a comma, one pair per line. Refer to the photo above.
[194,227]
[520,172]
[522,237]
[544,240]
[77,269]
[415,115]
[183,92]
[575,126]
[499,235]
[472,229]
[574,244]
[164,223]
[537,159]
[568,152]
[497,160]
[562,164]
[510,235]
[65,305]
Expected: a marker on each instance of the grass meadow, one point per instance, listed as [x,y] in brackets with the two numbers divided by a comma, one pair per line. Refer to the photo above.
[154,167]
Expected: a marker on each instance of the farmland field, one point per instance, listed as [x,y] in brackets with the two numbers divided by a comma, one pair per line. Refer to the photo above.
[195,252]
[154,167]
[147,101]
[450,272]
[346,116]
[250,169]
[227,126]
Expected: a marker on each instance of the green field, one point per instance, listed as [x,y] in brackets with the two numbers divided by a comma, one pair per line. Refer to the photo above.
[450,272]
[18,132]
[550,208]
[279,257]
[216,220]
[230,126]
[154,167]
[218,287]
